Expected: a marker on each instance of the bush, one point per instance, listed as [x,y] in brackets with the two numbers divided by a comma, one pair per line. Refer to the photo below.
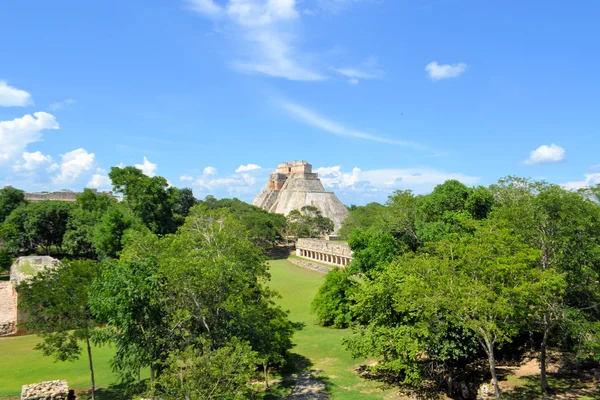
[333,300]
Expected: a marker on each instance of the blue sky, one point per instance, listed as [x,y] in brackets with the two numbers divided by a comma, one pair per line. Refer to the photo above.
[378,95]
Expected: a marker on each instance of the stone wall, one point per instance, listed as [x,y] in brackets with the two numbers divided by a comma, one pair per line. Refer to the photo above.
[324,251]
[49,390]
[58,196]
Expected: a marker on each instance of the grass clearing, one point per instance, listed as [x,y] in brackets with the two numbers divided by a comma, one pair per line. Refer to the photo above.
[21,365]
[321,347]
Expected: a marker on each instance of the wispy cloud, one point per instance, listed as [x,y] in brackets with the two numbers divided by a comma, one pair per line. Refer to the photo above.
[314,119]
[267,31]
[444,71]
[370,69]
[61,104]
[546,155]
[12,97]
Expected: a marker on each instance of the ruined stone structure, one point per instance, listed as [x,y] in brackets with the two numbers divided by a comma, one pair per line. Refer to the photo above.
[22,269]
[292,186]
[58,196]
[324,251]
[49,390]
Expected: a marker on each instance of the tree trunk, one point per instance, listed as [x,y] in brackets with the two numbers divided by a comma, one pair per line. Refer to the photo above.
[266,375]
[489,349]
[543,350]
[89,350]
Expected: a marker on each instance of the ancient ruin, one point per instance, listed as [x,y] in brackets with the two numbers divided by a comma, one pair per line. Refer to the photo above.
[292,186]
[63,195]
[324,251]
[49,390]
[22,269]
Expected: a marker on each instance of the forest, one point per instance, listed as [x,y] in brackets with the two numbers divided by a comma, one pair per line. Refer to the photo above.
[441,286]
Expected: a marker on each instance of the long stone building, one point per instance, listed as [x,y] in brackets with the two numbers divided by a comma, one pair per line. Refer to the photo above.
[292,186]
[324,251]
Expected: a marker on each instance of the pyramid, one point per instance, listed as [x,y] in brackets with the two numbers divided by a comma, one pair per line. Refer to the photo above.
[292,186]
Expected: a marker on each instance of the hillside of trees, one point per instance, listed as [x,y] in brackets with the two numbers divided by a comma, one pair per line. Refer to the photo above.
[443,283]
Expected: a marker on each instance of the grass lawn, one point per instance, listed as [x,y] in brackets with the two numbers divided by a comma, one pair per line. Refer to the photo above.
[21,365]
[321,346]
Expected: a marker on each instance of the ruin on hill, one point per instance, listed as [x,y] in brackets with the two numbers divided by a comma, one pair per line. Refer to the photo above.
[292,186]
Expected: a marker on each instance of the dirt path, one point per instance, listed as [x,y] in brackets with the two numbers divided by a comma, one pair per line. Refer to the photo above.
[307,387]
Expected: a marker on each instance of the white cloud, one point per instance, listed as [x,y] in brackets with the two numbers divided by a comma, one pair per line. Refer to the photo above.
[73,164]
[247,168]
[11,96]
[210,171]
[100,180]
[312,118]
[420,180]
[147,167]
[267,34]
[32,161]
[444,71]
[546,154]
[368,70]
[15,135]
[186,178]
[592,179]
[60,104]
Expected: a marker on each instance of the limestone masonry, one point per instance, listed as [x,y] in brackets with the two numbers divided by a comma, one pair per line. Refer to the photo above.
[292,186]
[23,268]
[324,251]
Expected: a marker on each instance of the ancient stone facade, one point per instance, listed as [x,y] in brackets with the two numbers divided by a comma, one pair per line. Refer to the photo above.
[57,196]
[324,251]
[49,390]
[292,186]
[22,269]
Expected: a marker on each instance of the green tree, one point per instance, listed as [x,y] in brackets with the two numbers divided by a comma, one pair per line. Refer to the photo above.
[333,301]
[56,304]
[361,217]
[149,198]
[565,227]
[110,230]
[200,372]
[130,299]
[308,222]
[372,250]
[32,225]
[10,199]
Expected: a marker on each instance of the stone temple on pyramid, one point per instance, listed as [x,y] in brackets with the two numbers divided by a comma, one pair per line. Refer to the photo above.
[292,186]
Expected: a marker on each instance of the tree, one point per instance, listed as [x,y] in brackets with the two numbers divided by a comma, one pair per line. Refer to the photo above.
[361,217]
[56,304]
[201,372]
[149,198]
[308,222]
[10,199]
[109,231]
[565,228]
[372,250]
[183,201]
[42,224]
[333,301]
[130,299]
[89,210]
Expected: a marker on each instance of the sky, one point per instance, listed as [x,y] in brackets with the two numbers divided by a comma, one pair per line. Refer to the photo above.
[378,95]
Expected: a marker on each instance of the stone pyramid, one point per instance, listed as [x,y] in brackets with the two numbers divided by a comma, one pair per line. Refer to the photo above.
[292,186]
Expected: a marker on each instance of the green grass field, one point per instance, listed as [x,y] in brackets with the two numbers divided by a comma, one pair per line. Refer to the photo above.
[320,347]
[20,365]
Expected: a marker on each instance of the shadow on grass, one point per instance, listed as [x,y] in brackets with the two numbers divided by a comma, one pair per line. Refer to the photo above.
[113,392]
[571,386]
